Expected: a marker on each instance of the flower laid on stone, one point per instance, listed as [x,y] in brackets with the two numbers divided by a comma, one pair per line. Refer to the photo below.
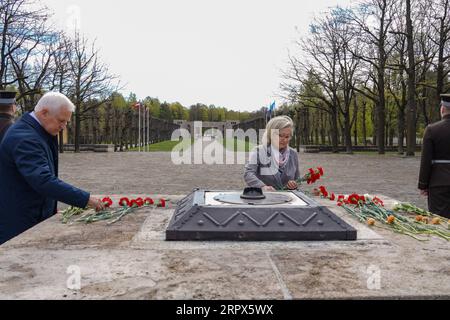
[107,202]
[370,209]
[410,208]
[126,206]
[69,213]
[161,203]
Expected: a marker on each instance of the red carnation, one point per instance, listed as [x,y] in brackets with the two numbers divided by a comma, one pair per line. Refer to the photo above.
[134,204]
[124,202]
[107,202]
[341,198]
[378,201]
[323,191]
[149,201]
[353,199]
[333,197]
[139,202]
[320,170]
[162,203]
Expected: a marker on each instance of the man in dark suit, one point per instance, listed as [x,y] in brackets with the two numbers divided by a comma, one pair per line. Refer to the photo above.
[434,179]
[29,184]
[7,111]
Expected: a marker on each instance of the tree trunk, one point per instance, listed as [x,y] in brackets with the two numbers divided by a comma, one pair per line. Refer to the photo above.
[375,124]
[348,133]
[77,129]
[334,132]
[61,142]
[364,127]
[412,108]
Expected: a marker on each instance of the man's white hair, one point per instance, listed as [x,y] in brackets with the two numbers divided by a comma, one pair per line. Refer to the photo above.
[277,123]
[54,102]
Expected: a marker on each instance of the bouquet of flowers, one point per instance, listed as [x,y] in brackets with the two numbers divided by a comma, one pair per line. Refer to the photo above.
[126,206]
[370,210]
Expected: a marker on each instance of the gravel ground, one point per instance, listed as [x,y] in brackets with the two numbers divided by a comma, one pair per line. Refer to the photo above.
[154,173]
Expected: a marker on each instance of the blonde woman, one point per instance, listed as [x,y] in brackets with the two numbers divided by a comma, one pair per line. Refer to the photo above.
[274,165]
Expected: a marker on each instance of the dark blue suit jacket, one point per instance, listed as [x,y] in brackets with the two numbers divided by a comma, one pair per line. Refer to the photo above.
[29,184]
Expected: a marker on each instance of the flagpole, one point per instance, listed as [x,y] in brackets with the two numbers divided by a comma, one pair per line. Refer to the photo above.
[139,106]
[143,129]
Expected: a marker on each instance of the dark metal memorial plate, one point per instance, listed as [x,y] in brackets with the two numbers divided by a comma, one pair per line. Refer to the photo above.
[270,199]
[285,216]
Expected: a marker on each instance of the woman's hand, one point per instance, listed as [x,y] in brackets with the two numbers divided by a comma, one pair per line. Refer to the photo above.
[268,189]
[292,185]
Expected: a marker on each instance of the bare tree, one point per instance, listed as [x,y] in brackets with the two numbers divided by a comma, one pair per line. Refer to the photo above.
[371,21]
[91,83]
[441,24]
[324,76]
[22,27]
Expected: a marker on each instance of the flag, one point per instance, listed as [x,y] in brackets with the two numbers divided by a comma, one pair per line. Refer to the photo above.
[272,107]
[271,110]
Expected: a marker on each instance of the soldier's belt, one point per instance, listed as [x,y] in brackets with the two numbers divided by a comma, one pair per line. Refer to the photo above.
[440,162]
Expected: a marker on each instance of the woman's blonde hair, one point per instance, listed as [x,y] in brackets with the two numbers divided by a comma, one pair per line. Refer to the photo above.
[277,123]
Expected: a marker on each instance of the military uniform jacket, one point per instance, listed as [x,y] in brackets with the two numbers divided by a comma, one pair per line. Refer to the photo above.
[6,121]
[436,147]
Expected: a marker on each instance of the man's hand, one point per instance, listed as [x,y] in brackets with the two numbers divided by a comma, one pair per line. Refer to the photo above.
[268,189]
[292,185]
[96,204]
[424,193]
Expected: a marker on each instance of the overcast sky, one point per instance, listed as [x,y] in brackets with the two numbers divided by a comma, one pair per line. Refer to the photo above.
[228,53]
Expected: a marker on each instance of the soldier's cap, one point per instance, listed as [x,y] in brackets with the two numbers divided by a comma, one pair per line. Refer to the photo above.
[445,100]
[7,97]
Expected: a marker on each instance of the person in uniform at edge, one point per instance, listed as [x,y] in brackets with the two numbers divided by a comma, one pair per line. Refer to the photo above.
[274,165]
[7,111]
[434,178]
[29,184]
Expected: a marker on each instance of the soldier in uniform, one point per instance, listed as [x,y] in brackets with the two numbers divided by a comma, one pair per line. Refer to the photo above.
[7,111]
[434,179]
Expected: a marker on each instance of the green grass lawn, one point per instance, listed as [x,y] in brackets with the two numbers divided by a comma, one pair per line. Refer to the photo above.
[164,146]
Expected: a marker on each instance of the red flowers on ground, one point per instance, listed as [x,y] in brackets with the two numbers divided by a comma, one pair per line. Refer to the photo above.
[124,202]
[107,202]
[148,201]
[140,202]
[378,201]
[353,198]
[323,191]
[162,203]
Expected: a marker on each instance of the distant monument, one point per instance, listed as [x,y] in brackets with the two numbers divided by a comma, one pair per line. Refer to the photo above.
[221,126]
